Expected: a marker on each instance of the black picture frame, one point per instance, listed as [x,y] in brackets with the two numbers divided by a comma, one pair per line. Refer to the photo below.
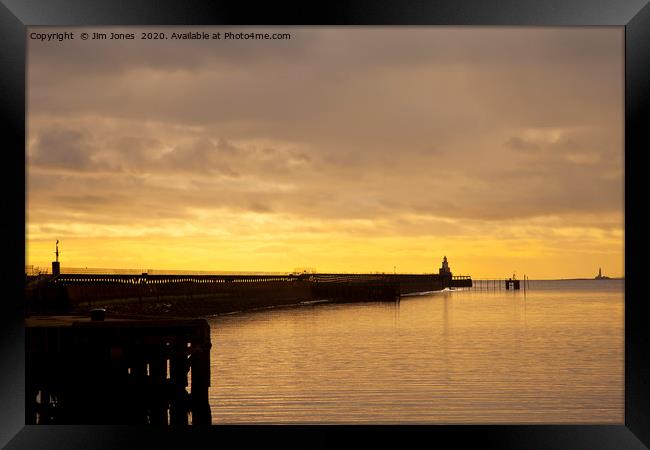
[16,15]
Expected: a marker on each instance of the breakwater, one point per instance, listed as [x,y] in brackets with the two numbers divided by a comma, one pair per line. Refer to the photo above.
[199,295]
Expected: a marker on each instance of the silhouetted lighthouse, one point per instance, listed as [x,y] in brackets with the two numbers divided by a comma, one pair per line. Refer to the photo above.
[445,273]
[444,270]
[56,266]
[600,275]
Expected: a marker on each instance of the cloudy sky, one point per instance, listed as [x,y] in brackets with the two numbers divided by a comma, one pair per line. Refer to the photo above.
[341,149]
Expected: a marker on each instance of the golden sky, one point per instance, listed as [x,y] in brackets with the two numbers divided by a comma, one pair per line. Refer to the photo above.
[342,149]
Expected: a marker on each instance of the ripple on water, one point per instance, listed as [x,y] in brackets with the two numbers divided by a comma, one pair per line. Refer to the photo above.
[553,356]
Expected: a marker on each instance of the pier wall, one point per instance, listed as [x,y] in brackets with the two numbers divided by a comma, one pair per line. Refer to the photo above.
[199,295]
[461,282]
[185,299]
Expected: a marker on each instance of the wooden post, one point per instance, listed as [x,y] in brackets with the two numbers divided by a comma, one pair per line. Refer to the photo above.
[178,380]
[160,402]
[200,363]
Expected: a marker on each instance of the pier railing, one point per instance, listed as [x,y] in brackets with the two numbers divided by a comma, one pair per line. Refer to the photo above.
[146,278]
[68,279]
[497,284]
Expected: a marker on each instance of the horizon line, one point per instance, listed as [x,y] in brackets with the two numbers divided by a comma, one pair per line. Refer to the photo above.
[150,271]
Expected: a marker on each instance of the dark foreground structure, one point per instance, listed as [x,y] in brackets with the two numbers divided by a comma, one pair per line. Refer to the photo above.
[117,371]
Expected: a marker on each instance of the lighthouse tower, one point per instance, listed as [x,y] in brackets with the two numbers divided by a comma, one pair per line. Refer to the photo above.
[445,274]
[444,270]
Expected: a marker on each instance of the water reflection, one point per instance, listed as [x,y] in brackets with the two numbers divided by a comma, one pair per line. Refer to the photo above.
[555,355]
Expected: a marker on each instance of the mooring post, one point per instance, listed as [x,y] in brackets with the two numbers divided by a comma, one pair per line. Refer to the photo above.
[200,364]
[160,402]
[178,380]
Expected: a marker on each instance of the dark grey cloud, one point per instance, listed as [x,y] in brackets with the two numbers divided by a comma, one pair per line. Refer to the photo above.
[70,149]
[199,156]
[519,143]
[339,50]
[306,81]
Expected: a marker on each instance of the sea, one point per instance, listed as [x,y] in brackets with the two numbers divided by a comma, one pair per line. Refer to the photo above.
[551,354]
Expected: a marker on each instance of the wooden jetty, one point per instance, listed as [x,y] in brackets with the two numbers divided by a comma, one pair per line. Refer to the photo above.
[117,370]
[498,284]
[512,283]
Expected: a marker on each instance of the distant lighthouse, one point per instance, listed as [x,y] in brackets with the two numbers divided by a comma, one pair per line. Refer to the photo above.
[600,275]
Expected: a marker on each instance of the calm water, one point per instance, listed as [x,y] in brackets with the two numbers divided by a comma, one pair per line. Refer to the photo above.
[554,355]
